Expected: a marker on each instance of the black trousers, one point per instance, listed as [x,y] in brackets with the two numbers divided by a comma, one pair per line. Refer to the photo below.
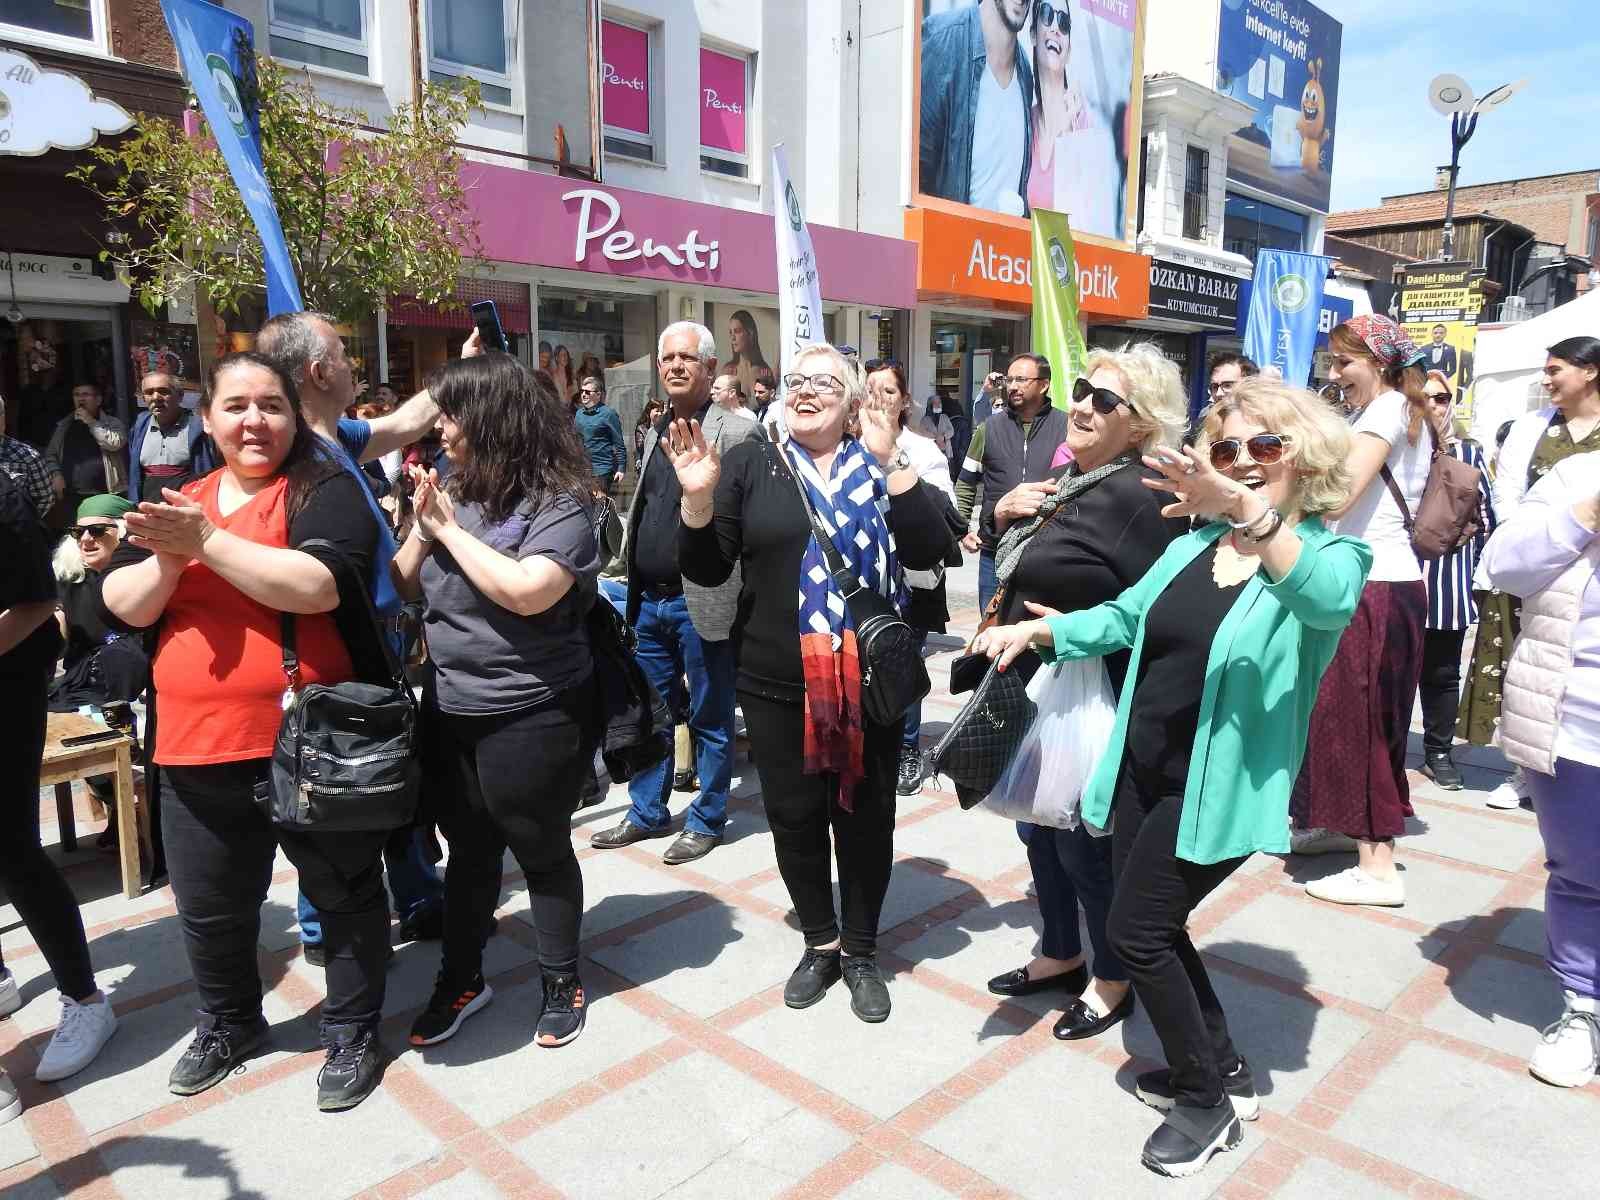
[1440,687]
[1156,892]
[803,808]
[32,881]
[220,847]
[513,781]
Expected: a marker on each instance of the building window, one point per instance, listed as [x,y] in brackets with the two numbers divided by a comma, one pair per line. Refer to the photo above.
[628,90]
[470,37]
[321,33]
[69,20]
[724,103]
[1594,237]
[1144,179]
[1251,225]
[1196,191]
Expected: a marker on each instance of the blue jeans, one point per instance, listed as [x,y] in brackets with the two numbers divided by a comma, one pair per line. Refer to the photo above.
[413,880]
[669,648]
[615,591]
[1072,869]
[912,738]
[988,582]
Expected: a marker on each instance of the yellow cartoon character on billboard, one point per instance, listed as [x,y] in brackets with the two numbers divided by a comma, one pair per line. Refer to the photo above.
[1313,123]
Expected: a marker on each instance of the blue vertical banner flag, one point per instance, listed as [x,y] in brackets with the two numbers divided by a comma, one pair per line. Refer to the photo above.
[1285,310]
[217,50]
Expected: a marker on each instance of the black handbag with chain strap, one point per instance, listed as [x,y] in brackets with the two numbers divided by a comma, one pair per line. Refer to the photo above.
[981,742]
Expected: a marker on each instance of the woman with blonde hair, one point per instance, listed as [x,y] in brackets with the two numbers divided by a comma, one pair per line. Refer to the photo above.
[1229,632]
[1077,539]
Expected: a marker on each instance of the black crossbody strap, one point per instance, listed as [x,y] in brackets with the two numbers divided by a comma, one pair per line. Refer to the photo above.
[286,628]
[846,581]
[291,660]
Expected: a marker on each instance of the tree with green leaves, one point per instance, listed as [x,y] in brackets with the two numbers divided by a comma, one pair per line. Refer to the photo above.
[367,214]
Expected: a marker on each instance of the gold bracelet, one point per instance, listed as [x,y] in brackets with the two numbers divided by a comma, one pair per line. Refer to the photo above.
[694,514]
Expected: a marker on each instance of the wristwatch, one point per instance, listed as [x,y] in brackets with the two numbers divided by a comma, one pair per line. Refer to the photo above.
[900,462]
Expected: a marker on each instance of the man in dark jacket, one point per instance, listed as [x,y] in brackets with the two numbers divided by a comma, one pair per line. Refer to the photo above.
[168,446]
[601,431]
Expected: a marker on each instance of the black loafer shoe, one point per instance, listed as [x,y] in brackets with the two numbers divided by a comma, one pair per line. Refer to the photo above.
[624,833]
[1189,1137]
[818,970]
[1080,1021]
[869,995]
[689,847]
[1441,768]
[1017,983]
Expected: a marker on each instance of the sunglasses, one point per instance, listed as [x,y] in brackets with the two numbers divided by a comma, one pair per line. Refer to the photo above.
[1265,449]
[1050,15]
[94,531]
[1439,397]
[1105,401]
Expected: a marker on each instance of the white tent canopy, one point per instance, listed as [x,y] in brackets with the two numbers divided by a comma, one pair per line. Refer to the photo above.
[1508,362]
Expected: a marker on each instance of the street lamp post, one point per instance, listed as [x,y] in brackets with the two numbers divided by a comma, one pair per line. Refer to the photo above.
[1450,94]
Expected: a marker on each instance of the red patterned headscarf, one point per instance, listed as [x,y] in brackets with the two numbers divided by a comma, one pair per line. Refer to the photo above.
[1388,343]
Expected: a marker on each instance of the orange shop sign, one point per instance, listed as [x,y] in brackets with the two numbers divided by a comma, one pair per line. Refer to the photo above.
[961,257]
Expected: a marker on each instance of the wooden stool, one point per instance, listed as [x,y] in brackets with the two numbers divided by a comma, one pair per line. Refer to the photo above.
[113,756]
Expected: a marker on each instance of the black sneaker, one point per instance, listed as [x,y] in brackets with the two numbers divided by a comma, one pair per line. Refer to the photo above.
[564,1009]
[869,995]
[1155,1089]
[213,1055]
[424,926]
[351,1070]
[818,970]
[910,771]
[1187,1139]
[448,1007]
[1442,769]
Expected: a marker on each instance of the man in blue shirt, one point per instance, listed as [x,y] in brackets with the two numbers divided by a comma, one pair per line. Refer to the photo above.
[601,431]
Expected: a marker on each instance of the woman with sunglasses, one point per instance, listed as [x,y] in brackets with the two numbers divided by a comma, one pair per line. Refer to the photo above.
[1229,632]
[1078,539]
[823,766]
[1451,607]
[1058,106]
[1352,793]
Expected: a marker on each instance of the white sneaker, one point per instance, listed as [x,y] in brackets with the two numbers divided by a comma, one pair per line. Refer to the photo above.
[1320,841]
[10,1101]
[10,1001]
[1568,1054]
[81,1032]
[1511,793]
[1355,886]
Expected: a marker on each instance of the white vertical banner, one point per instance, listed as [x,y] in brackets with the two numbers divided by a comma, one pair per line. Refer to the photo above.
[799,294]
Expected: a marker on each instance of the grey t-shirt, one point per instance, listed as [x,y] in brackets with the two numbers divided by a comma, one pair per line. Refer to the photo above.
[487,658]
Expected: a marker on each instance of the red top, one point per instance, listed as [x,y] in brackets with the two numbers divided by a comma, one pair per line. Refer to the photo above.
[218,667]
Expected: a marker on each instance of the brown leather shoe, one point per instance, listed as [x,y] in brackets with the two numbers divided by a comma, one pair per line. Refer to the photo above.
[689,847]
[624,833]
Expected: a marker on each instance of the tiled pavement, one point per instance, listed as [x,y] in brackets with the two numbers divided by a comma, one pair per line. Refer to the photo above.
[1389,1044]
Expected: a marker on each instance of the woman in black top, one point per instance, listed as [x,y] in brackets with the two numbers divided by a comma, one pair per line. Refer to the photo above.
[1070,543]
[821,764]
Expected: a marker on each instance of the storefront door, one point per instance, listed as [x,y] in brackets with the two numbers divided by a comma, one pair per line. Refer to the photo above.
[51,350]
[966,349]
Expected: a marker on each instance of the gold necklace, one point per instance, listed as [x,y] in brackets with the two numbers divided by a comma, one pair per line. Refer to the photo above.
[1230,568]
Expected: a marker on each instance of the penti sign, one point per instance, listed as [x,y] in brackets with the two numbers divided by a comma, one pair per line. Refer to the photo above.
[50,110]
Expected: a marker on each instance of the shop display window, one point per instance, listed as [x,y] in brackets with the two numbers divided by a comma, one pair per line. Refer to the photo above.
[582,331]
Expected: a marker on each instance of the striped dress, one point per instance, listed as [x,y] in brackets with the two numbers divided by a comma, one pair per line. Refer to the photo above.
[1450,602]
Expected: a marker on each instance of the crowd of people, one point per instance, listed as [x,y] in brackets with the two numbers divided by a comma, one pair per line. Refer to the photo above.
[1244,592]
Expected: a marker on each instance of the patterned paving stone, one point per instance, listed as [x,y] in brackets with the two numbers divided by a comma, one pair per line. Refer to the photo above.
[1497,1003]
[1454,833]
[16,1144]
[464,1185]
[893,1182]
[1319,1179]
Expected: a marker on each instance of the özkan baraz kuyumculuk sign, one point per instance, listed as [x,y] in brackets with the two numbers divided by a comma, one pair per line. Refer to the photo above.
[1194,295]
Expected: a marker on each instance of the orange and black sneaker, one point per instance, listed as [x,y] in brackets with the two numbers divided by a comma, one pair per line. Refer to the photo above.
[564,1008]
[450,1005]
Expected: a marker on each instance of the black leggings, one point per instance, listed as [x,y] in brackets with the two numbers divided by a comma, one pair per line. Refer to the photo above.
[1156,892]
[1440,687]
[801,808]
[32,881]
[514,781]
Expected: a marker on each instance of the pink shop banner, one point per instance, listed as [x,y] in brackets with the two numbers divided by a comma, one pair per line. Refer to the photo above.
[722,101]
[543,220]
[625,76]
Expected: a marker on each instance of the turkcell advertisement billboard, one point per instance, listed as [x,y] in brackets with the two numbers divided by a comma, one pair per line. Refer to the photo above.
[1028,104]
[1281,57]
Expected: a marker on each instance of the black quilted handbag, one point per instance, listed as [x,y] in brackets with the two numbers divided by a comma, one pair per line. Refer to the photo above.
[981,742]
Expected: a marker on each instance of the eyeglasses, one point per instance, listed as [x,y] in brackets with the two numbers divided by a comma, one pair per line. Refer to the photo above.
[688,360]
[1265,449]
[95,531]
[821,385]
[1105,401]
[1050,15]
[1223,387]
[1019,380]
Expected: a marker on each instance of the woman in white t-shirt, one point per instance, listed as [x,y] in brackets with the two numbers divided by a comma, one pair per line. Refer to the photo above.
[1352,791]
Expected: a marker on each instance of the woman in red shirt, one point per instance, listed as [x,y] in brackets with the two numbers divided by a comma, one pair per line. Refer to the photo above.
[216,565]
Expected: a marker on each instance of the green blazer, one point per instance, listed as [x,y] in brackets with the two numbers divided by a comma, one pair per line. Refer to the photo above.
[1261,684]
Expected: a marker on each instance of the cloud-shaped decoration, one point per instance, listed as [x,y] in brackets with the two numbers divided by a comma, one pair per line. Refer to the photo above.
[43,110]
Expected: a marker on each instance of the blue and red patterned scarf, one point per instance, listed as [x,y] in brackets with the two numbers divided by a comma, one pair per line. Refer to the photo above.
[852,504]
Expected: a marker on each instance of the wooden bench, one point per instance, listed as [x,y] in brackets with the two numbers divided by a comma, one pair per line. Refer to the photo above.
[63,764]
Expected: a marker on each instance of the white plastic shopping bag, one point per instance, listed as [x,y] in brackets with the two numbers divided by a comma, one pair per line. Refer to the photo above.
[1045,781]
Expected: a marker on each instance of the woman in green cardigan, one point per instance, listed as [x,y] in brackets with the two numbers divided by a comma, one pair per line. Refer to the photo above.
[1230,632]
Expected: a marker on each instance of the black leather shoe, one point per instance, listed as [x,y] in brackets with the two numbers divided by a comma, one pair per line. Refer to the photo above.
[314,953]
[1441,768]
[690,846]
[685,780]
[1080,1021]
[817,971]
[869,995]
[425,926]
[1017,983]
[213,1055]
[1155,1089]
[1189,1137]
[624,833]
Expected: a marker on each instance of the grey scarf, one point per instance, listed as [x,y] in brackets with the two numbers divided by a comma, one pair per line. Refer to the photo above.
[1012,543]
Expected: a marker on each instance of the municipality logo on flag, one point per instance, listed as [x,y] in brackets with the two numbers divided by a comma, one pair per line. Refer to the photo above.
[1291,293]
[228,87]
[792,203]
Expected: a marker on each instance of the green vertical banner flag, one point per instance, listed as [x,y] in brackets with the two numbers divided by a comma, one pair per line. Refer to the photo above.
[1056,333]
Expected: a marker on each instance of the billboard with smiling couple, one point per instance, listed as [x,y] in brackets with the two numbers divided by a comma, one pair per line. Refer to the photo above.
[1027,104]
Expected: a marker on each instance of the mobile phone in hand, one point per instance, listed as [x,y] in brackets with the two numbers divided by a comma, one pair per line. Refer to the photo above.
[487,318]
[89,739]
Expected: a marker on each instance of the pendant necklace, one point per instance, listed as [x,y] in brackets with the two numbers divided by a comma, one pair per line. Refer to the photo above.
[1230,568]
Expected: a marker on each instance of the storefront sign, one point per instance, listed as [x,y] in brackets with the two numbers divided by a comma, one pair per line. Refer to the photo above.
[722,101]
[56,277]
[962,257]
[50,110]
[625,76]
[544,220]
[1194,295]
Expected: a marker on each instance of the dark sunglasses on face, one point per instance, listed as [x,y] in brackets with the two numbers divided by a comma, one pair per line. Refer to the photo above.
[1105,401]
[94,531]
[1439,397]
[1265,449]
[1050,15]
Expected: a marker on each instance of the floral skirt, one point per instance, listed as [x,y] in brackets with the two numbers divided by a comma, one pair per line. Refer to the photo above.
[1499,619]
